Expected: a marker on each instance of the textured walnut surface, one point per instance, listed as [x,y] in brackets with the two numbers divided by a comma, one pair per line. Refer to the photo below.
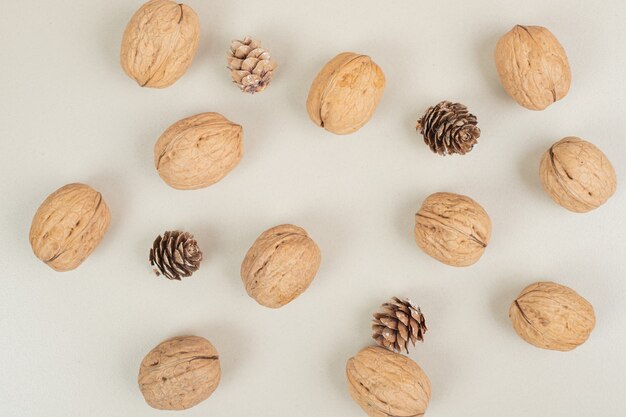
[577,175]
[452,228]
[159,43]
[280,265]
[532,66]
[345,93]
[179,373]
[387,384]
[198,151]
[552,316]
[68,226]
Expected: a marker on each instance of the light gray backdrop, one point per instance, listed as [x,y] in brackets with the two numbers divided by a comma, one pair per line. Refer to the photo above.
[71,343]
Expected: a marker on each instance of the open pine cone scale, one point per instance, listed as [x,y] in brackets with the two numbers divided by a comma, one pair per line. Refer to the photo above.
[251,65]
[175,255]
[186,252]
[449,128]
[397,323]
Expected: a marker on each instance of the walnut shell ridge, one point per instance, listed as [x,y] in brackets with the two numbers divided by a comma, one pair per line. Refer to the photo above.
[345,93]
[452,228]
[532,66]
[159,43]
[552,316]
[280,265]
[179,373]
[577,175]
[68,226]
[387,384]
[198,151]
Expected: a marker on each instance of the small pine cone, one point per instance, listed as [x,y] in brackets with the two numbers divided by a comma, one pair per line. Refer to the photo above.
[449,128]
[250,65]
[397,323]
[175,254]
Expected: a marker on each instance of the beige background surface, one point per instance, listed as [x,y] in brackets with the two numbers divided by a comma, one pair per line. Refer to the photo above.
[71,344]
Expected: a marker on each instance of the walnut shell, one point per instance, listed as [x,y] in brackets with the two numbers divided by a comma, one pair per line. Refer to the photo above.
[280,265]
[532,66]
[552,316]
[577,175]
[452,228]
[386,384]
[68,226]
[159,43]
[198,151]
[345,93]
[179,373]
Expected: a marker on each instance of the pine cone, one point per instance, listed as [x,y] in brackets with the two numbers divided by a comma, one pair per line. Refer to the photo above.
[251,66]
[398,323]
[175,255]
[449,128]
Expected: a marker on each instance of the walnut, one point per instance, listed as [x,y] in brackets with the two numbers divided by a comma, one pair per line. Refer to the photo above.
[179,373]
[68,226]
[552,316]
[577,175]
[345,93]
[532,66]
[198,151]
[387,384]
[280,265]
[452,228]
[159,43]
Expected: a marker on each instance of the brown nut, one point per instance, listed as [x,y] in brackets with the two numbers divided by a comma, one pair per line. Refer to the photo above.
[179,373]
[532,66]
[577,175]
[280,265]
[198,151]
[387,384]
[159,43]
[452,228]
[552,316]
[68,226]
[345,93]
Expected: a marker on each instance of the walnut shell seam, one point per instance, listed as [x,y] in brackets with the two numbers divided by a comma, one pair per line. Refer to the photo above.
[470,236]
